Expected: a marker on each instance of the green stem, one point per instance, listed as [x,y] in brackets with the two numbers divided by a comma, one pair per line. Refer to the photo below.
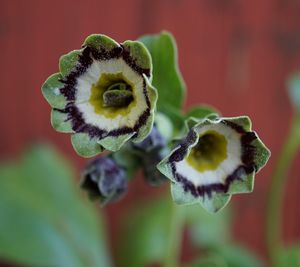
[274,205]
[177,218]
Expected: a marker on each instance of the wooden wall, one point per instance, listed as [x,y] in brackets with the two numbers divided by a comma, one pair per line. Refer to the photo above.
[234,54]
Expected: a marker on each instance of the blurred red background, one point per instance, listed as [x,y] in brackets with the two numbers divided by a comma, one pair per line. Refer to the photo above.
[234,54]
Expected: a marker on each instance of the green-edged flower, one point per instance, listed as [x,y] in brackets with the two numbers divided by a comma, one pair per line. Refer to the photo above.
[103,95]
[217,158]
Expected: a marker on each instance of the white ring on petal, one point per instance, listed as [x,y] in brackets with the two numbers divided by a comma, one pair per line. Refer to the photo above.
[227,167]
[91,76]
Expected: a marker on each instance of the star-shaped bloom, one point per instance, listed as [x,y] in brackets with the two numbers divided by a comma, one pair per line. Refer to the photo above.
[218,157]
[103,95]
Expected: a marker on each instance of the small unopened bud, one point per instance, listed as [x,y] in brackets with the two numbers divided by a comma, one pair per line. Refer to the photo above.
[104,179]
[152,175]
[155,140]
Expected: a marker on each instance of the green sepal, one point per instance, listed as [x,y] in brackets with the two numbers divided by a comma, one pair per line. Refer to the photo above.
[246,185]
[113,143]
[166,75]
[60,122]
[243,121]
[262,154]
[85,146]
[181,197]
[68,62]
[215,203]
[139,53]
[202,111]
[51,92]
[100,42]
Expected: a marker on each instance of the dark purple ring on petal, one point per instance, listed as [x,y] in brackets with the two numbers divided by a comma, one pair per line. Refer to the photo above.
[248,166]
[69,91]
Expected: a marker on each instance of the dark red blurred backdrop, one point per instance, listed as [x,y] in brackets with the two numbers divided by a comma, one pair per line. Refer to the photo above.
[234,54]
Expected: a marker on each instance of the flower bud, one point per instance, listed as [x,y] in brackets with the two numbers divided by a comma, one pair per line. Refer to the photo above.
[104,179]
[155,140]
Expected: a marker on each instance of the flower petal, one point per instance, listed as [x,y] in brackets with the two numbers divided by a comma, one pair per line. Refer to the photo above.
[166,169]
[262,154]
[181,197]
[60,121]
[146,126]
[215,203]
[137,55]
[101,42]
[85,146]
[243,121]
[51,91]
[68,62]
[114,143]
[242,185]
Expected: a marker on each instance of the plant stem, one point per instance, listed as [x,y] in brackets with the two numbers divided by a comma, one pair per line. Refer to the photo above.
[177,219]
[274,205]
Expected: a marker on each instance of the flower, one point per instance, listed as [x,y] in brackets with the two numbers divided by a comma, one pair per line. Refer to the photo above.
[104,179]
[218,157]
[103,95]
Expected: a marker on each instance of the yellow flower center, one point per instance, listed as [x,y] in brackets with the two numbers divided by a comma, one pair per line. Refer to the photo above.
[112,95]
[209,152]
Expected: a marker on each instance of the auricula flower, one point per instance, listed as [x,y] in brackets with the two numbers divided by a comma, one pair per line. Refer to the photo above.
[103,95]
[218,157]
[104,179]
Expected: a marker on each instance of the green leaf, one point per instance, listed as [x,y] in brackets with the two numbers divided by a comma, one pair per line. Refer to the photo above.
[209,261]
[229,256]
[208,230]
[85,146]
[175,116]
[166,75]
[202,111]
[237,256]
[145,234]
[293,85]
[289,256]
[43,219]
